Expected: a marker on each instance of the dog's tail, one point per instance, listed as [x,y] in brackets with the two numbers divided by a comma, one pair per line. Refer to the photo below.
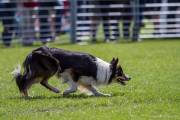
[23,79]
[18,77]
[38,66]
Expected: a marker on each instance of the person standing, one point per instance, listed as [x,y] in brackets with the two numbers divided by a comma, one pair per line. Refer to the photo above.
[45,31]
[29,15]
[105,19]
[95,19]
[154,16]
[126,19]
[172,16]
[7,17]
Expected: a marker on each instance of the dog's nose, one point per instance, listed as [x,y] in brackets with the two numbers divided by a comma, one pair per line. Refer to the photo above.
[129,78]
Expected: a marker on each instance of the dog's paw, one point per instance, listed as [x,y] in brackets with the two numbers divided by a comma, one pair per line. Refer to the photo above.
[57,91]
[108,95]
[65,93]
[101,95]
[28,96]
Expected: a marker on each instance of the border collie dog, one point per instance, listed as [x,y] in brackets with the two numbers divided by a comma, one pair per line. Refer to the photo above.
[78,70]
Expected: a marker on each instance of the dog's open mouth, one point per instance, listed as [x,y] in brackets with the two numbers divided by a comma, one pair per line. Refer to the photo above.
[121,81]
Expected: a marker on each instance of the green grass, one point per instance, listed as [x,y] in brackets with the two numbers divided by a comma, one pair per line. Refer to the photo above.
[153,92]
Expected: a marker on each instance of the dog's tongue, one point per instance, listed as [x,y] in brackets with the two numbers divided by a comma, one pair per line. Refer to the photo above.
[123,83]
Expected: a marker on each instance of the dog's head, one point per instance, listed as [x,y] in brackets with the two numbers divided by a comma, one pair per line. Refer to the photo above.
[117,73]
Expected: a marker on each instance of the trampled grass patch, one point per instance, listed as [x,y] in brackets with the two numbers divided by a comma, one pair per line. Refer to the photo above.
[153,92]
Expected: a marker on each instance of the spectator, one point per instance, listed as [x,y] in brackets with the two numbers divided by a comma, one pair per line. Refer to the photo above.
[45,31]
[169,16]
[82,18]
[94,19]
[7,23]
[141,10]
[115,30]
[106,19]
[61,22]
[28,33]
[137,26]
[126,18]
[154,16]
[115,33]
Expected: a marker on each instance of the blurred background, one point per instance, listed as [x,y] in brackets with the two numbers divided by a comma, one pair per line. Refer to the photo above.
[27,22]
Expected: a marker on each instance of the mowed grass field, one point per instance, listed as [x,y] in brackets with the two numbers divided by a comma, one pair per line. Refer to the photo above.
[152,93]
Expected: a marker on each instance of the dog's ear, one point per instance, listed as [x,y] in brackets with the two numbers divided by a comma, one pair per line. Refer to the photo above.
[112,60]
[114,63]
[117,60]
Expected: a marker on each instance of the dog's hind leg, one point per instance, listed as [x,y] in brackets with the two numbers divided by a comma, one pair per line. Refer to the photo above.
[45,84]
[95,91]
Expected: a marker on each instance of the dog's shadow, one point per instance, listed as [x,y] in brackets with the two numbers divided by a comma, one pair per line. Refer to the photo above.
[71,96]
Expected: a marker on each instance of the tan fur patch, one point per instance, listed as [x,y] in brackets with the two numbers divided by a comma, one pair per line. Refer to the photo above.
[118,66]
[82,88]
[120,77]
[70,71]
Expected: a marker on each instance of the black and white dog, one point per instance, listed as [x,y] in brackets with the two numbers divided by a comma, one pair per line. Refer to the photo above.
[78,70]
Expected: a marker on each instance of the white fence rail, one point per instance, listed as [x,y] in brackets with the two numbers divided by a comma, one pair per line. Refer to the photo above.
[76,20]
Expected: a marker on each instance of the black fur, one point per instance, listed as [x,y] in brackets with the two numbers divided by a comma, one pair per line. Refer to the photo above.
[51,60]
[85,66]
[44,62]
[113,68]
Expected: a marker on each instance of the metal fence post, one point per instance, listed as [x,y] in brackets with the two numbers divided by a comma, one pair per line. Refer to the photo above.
[73,9]
[136,20]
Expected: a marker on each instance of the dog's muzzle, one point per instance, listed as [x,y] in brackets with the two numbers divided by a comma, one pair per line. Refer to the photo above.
[126,78]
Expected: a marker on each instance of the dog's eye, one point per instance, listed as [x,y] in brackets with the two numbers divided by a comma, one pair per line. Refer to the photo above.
[119,73]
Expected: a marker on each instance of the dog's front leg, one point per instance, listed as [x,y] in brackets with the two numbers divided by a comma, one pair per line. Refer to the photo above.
[95,91]
[73,89]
